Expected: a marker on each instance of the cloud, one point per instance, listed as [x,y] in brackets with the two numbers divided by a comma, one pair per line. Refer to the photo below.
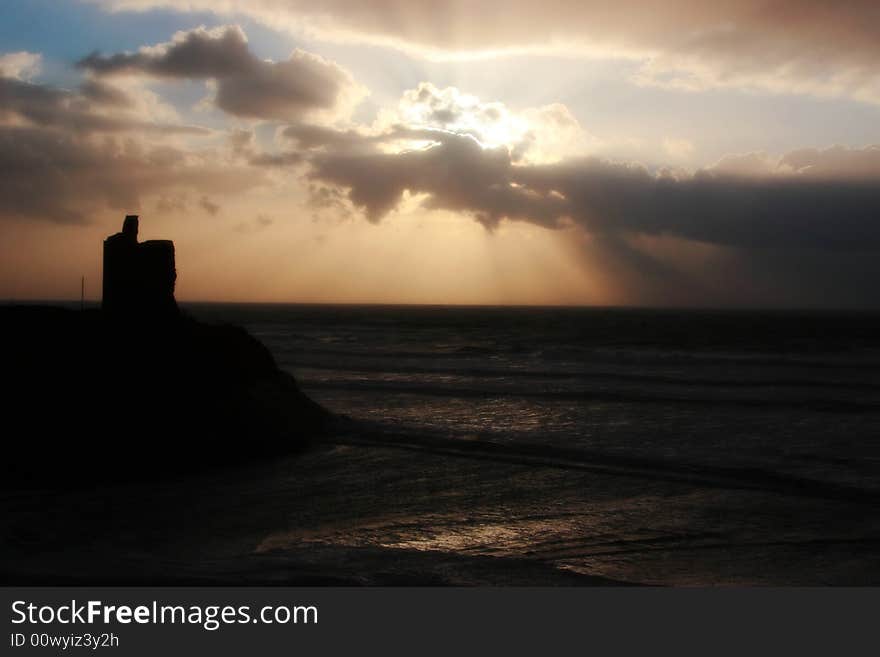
[307,137]
[791,46]
[434,147]
[209,206]
[533,134]
[456,174]
[427,114]
[65,155]
[814,199]
[802,209]
[103,94]
[261,222]
[79,111]
[241,141]
[172,203]
[836,163]
[678,149]
[20,65]
[807,219]
[69,153]
[245,86]
[276,159]
[801,229]
[52,176]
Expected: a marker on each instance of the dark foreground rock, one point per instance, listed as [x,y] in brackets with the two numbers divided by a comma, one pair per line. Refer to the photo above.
[93,397]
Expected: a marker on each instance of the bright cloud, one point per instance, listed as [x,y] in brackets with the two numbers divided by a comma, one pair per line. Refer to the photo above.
[20,65]
[789,46]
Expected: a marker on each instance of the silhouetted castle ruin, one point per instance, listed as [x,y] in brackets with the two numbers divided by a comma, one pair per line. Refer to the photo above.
[139,277]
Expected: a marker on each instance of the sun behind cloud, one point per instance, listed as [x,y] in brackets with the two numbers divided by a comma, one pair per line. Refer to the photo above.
[653,165]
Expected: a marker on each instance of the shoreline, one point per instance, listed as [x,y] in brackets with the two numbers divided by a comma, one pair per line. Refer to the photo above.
[348,515]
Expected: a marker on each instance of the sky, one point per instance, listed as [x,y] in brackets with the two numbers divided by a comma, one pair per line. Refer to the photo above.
[675,153]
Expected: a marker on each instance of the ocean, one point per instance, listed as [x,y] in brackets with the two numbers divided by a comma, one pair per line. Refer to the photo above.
[677,447]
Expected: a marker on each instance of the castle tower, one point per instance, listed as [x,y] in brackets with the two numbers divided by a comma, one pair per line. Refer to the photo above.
[139,277]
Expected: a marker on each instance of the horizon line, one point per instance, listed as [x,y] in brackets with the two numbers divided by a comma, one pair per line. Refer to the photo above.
[92,303]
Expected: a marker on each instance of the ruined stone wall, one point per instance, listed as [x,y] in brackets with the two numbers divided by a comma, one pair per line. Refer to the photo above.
[139,277]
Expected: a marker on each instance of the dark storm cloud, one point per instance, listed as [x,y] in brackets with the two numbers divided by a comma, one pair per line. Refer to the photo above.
[457,174]
[246,85]
[816,199]
[803,210]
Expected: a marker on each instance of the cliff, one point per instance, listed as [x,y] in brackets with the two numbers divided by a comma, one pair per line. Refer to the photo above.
[92,396]
[137,388]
